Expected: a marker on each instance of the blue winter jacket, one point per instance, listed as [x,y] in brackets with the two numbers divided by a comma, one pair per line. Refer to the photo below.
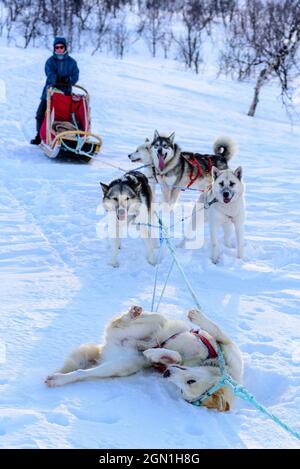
[60,70]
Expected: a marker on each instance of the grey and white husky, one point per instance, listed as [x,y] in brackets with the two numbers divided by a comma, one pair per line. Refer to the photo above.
[226,205]
[175,169]
[129,200]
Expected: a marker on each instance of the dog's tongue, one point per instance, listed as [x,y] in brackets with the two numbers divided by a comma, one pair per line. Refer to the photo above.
[121,216]
[226,200]
[161,162]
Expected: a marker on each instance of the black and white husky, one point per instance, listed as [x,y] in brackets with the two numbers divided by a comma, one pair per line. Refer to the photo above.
[129,201]
[175,169]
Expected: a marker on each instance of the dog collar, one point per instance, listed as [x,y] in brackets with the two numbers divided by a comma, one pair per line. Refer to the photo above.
[208,204]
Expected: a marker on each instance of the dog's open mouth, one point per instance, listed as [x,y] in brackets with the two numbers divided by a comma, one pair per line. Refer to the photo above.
[161,161]
[226,200]
[121,215]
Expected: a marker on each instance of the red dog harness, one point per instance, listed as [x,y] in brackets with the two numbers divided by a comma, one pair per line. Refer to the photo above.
[211,351]
[195,163]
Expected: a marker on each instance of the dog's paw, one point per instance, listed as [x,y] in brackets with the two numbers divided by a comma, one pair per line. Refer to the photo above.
[240,254]
[215,259]
[174,359]
[114,263]
[152,260]
[135,311]
[161,356]
[194,314]
[51,381]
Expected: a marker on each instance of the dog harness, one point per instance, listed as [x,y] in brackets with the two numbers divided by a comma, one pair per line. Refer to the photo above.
[210,349]
[195,163]
[161,368]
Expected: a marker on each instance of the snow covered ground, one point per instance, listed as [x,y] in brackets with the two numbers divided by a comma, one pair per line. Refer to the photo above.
[57,290]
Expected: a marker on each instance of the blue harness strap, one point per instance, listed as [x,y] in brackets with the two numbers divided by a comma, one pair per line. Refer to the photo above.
[225,379]
[243,393]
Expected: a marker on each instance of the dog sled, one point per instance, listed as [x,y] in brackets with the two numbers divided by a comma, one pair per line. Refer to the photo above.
[66,129]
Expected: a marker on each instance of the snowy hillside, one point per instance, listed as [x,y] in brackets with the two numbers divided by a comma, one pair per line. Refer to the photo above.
[57,290]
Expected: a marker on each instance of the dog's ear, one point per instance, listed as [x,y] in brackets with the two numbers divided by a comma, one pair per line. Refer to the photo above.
[104,188]
[156,135]
[215,173]
[238,172]
[172,137]
[147,140]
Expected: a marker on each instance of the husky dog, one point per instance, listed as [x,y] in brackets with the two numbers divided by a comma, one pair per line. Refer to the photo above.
[196,380]
[173,345]
[118,356]
[226,207]
[129,200]
[175,170]
[143,154]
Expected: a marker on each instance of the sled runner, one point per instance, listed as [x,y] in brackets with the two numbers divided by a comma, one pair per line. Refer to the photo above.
[66,130]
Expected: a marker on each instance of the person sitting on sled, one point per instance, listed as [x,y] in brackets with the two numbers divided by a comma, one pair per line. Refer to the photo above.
[62,72]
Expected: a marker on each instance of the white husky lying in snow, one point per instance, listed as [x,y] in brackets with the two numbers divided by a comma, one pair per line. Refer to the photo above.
[138,340]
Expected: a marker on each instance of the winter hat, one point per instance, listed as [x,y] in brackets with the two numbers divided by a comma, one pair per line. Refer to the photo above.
[60,40]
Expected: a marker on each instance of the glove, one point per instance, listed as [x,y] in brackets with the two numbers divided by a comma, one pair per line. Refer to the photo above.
[63,80]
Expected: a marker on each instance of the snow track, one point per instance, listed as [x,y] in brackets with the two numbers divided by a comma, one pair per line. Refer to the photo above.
[57,290]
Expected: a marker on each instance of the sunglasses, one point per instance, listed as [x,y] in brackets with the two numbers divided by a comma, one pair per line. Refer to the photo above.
[59,47]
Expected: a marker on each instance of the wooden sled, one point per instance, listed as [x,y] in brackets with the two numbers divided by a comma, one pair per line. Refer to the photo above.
[66,130]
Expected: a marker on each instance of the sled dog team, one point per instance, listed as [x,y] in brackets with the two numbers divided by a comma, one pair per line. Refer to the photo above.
[188,357]
[129,198]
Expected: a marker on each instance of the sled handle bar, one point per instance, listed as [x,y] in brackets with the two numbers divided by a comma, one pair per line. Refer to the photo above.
[76,132]
[81,88]
[73,86]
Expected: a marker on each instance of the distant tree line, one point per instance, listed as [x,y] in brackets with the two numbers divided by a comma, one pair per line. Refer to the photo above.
[261,38]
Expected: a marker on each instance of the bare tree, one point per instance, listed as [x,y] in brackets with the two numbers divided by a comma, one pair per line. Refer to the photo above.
[103,19]
[264,42]
[166,41]
[35,18]
[120,36]
[115,6]
[14,10]
[225,9]
[29,22]
[53,16]
[155,22]
[197,16]
[83,13]
[3,16]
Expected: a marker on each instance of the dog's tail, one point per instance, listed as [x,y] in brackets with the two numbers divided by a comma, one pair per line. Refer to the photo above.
[85,356]
[225,146]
